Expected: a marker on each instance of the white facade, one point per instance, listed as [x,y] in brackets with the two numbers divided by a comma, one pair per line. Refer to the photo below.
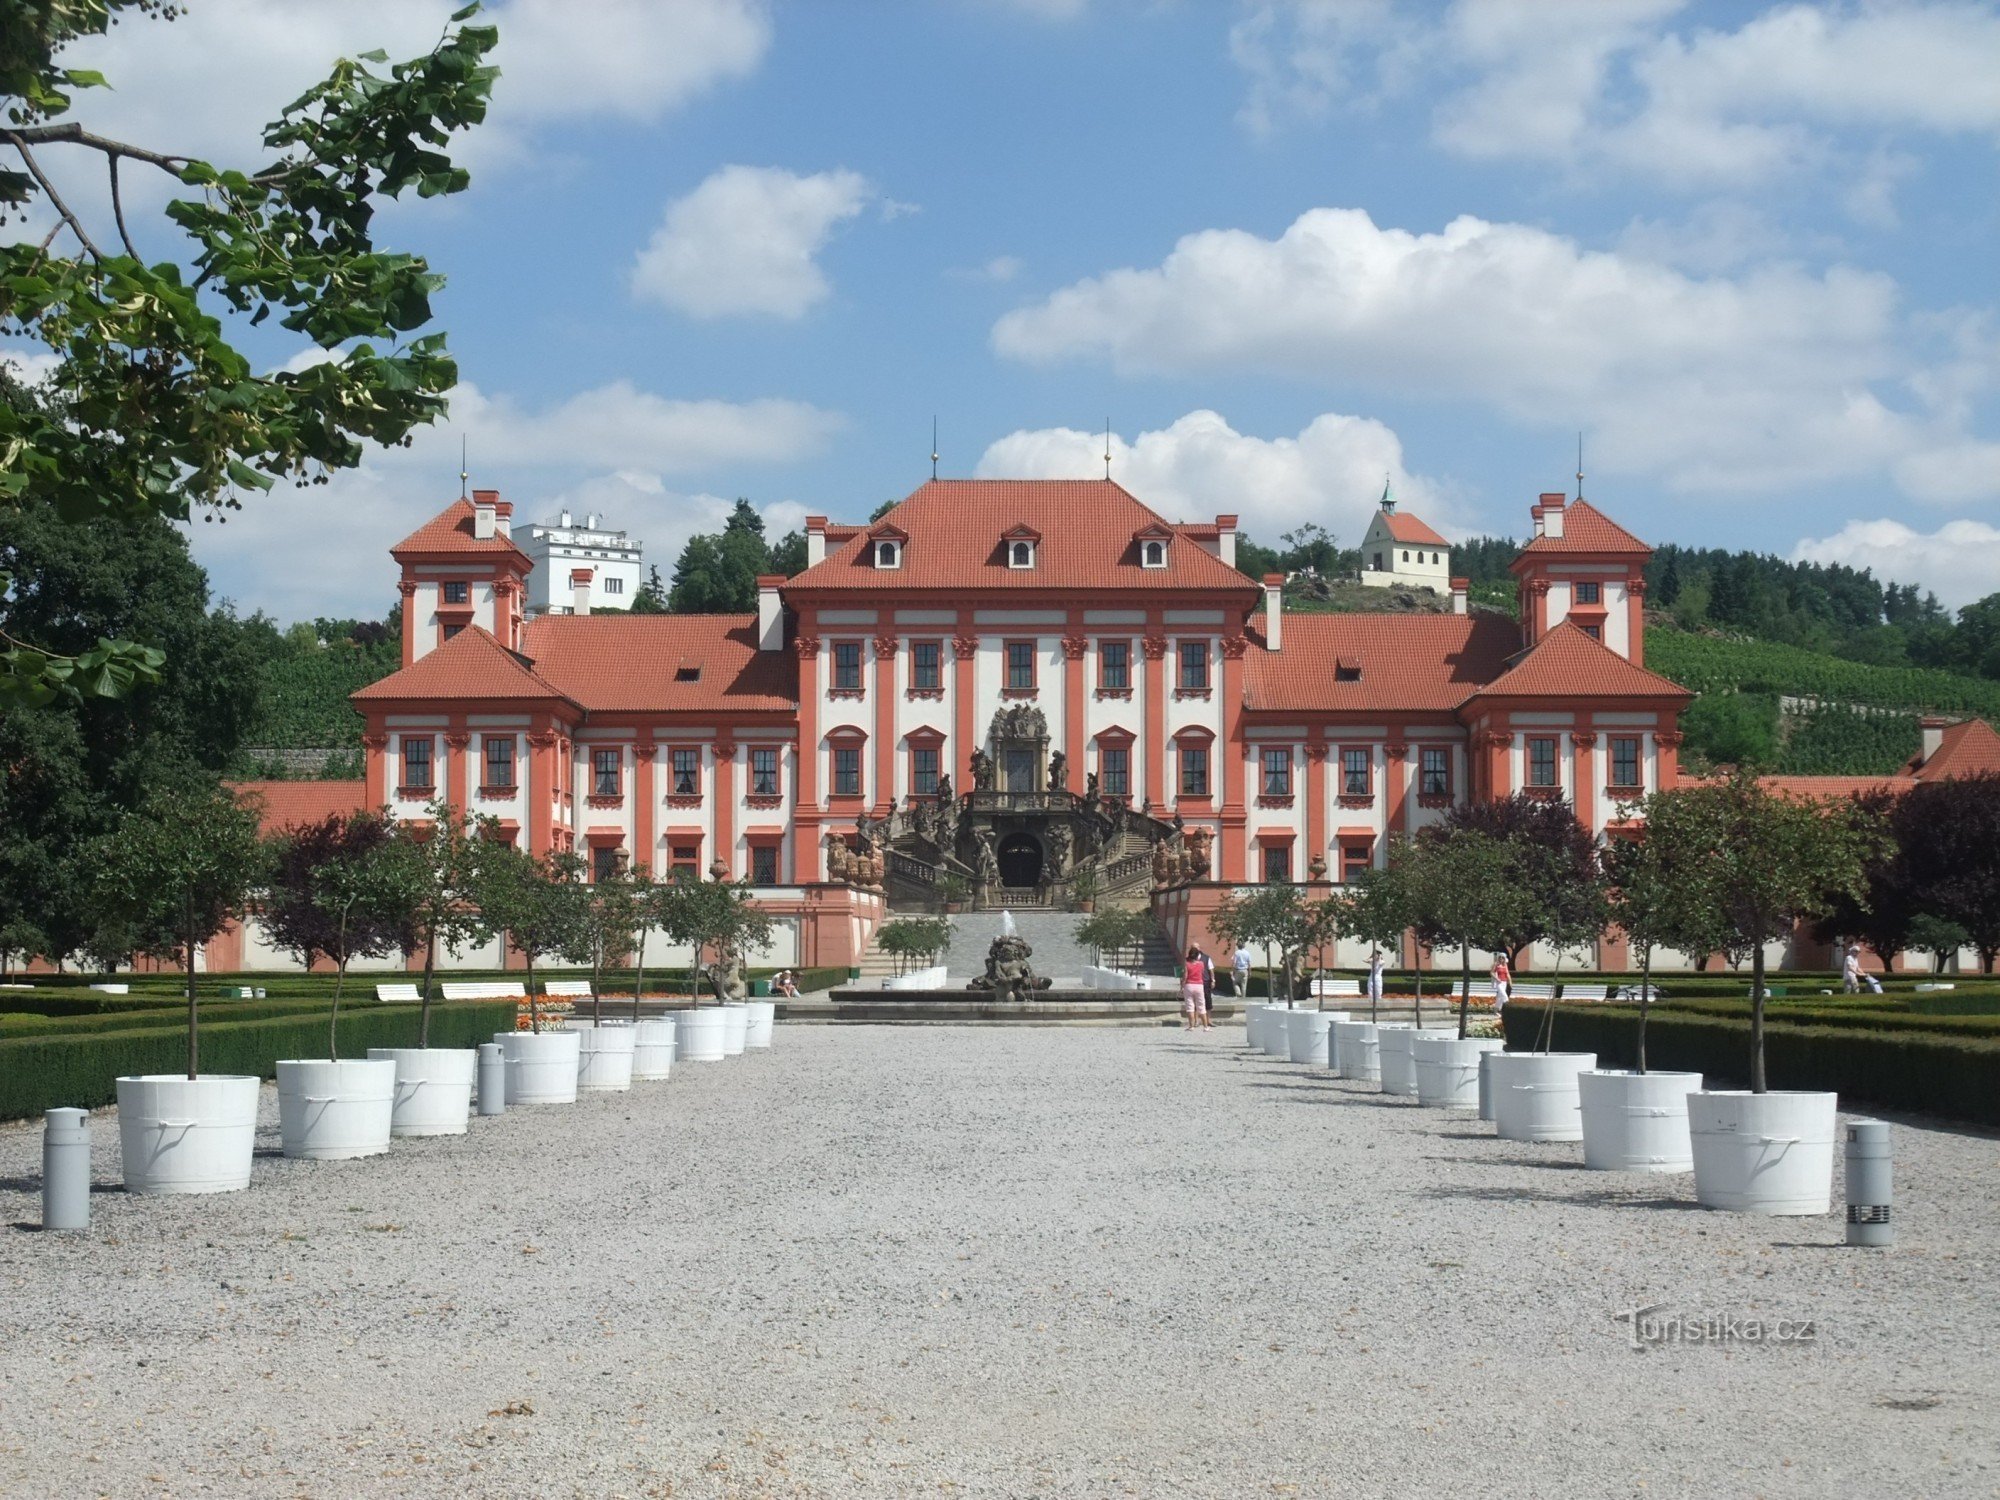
[561,548]
[1385,561]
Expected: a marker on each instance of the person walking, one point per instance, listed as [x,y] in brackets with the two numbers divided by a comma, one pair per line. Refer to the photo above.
[1239,970]
[1207,990]
[1850,971]
[1503,983]
[1193,1011]
[1377,962]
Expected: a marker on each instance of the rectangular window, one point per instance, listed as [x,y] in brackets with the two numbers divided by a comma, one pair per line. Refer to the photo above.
[763,864]
[458,593]
[603,863]
[1277,863]
[684,862]
[1114,666]
[1625,761]
[417,762]
[1277,772]
[847,771]
[1194,666]
[924,770]
[1356,768]
[1354,858]
[763,770]
[687,772]
[452,630]
[499,760]
[1020,771]
[926,666]
[1434,768]
[1541,762]
[1114,771]
[604,765]
[847,666]
[1590,593]
[614,585]
[1020,666]
[1194,770]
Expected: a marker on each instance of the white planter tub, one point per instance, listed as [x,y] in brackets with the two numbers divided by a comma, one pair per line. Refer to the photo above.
[1308,1034]
[1276,1031]
[1253,1025]
[652,1048]
[762,1021]
[700,1037]
[186,1135]
[1357,1051]
[541,1066]
[1534,1095]
[735,1028]
[1395,1070]
[1763,1153]
[604,1056]
[1636,1122]
[433,1088]
[331,1111]
[1448,1069]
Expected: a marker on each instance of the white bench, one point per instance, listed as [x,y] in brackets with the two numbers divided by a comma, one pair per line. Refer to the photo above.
[1482,989]
[1541,991]
[567,989]
[401,994]
[1585,992]
[484,989]
[1637,992]
[1346,989]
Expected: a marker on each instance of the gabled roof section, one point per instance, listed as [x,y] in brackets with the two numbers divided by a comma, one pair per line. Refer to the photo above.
[1566,663]
[634,663]
[1021,531]
[1156,531]
[1586,529]
[887,530]
[957,530]
[450,531]
[1414,663]
[290,804]
[1405,527]
[1967,750]
[472,664]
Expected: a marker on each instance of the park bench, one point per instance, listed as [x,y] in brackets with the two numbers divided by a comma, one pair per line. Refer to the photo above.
[400,994]
[1482,989]
[1345,989]
[483,989]
[1585,992]
[567,989]
[1638,992]
[1543,991]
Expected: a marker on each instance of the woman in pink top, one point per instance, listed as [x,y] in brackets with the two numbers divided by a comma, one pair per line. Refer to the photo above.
[1503,983]
[1193,977]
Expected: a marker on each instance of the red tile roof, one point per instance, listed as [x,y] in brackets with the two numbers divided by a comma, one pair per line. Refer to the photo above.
[628,663]
[1586,529]
[1567,663]
[1831,788]
[472,664]
[450,530]
[1087,526]
[1968,749]
[1407,528]
[288,804]
[1414,662]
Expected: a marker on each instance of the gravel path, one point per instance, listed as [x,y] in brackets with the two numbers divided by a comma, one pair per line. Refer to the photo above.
[986,1261]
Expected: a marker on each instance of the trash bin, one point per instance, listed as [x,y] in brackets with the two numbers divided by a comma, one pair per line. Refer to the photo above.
[760,988]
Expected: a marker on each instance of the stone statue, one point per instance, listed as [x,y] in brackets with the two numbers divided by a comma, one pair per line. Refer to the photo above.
[989,857]
[944,792]
[1009,975]
[838,857]
[1058,850]
[726,977]
[1058,772]
[1200,841]
[1163,864]
[1090,786]
[982,771]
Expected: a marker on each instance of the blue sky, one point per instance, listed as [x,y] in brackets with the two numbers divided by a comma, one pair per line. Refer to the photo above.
[718,248]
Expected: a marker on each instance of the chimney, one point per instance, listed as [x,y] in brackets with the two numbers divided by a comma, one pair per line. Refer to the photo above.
[770,612]
[815,540]
[579,590]
[1225,542]
[503,517]
[1274,610]
[1933,728]
[1549,514]
[565,519]
[1459,588]
[484,521]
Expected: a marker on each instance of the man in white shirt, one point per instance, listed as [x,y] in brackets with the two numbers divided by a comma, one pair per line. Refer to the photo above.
[1239,969]
[1850,972]
[1377,962]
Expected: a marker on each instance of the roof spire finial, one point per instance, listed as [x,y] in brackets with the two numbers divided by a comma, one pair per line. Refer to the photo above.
[1388,495]
[934,452]
[1107,447]
[1579,466]
[464,473]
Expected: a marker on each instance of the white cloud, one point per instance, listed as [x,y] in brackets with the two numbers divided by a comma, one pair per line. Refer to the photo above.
[1753,382]
[745,241]
[999,270]
[1200,467]
[615,450]
[1960,561]
[632,59]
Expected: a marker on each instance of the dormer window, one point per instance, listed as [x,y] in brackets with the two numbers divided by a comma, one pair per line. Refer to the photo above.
[1153,555]
[1020,554]
[888,554]
[1346,669]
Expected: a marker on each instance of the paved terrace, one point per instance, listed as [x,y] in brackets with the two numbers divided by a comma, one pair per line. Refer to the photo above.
[998,1261]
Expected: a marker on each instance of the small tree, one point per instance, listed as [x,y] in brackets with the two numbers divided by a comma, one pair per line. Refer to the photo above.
[722,917]
[1113,930]
[1466,889]
[335,892]
[1653,896]
[1376,909]
[1326,918]
[436,876]
[907,939]
[1940,937]
[1757,865]
[1949,835]
[1556,865]
[360,896]
[1273,916]
[537,904]
[178,870]
[609,912]
[645,917]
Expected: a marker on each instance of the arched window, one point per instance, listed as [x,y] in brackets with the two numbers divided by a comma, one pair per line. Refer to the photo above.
[888,555]
[1021,555]
[1155,555]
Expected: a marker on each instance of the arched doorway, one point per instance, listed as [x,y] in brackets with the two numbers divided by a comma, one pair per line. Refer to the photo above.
[1020,857]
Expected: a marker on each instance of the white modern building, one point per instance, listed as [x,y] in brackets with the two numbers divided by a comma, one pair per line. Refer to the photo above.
[563,551]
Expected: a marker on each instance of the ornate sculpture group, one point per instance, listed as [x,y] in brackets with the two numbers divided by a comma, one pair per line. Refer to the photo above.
[860,863]
[1009,975]
[1184,857]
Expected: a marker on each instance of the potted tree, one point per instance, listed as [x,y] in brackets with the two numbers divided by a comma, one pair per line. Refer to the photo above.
[1376,911]
[535,903]
[1763,865]
[178,870]
[606,913]
[332,894]
[952,889]
[1083,890]
[653,1037]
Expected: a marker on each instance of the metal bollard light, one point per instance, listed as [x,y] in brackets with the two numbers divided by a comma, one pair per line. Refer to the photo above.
[66,1169]
[1869,1184]
[492,1079]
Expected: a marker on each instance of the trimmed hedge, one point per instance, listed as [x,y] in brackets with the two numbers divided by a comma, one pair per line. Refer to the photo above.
[1924,1072]
[43,1072]
[43,1003]
[1866,1018]
[152,1017]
